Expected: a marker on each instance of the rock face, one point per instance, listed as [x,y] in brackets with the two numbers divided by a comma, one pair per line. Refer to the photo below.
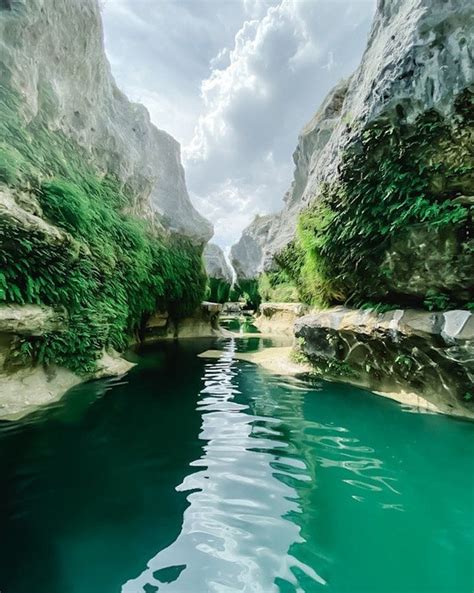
[216,264]
[247,255]
[24,387]
[266,235]
[417,68]
[203,323]
[279,318]
[429,355]
[52,55]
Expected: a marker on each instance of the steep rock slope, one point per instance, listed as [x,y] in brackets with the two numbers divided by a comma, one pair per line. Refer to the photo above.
[95,219]
[216,264]
[220,274]
[52,57]
[248,253]
[387,201]
[266,235]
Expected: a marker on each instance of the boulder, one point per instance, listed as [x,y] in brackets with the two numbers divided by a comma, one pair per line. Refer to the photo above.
[429,355]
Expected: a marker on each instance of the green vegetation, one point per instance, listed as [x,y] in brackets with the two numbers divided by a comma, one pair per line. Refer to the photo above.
[218,290]
[108,270]
[396,178]
[247,290]
[277,287]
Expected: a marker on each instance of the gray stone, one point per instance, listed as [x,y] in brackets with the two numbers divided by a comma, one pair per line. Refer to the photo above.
[247,254]
[52,54]
[418,58]
[430,355]
[31,320]
[279,318]
[216,264]
[268,234]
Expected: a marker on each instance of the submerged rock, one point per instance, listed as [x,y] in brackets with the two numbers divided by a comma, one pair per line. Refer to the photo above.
[429,355]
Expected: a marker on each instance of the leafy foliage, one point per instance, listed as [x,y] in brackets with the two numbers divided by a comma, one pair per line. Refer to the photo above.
[277,286]
[108,270]
[218,290]
[248,290]
[395,177]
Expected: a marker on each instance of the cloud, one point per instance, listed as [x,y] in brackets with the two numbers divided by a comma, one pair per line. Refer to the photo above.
[281,66]
[235,82]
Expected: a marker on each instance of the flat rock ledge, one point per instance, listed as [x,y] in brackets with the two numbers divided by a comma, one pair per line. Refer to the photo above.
[279,318]
[24,389]
[419,357]
[203,323]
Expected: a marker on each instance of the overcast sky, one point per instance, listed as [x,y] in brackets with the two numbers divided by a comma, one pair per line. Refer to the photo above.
[234,81]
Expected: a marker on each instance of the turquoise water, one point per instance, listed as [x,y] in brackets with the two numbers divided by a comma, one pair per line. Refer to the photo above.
[197,476]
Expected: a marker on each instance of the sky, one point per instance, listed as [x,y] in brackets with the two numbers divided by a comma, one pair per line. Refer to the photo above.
[234,81]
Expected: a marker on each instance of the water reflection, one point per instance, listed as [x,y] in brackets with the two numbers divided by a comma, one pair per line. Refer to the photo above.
[256,487]
[235,534]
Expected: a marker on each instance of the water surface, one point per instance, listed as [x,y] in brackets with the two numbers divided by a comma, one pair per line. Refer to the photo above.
[195,476]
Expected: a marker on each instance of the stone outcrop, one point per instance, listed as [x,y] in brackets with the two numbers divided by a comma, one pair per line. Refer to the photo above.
[25,387]
[266,235]
[52,56]
[279,318]
[203,323]
[419,353]
[216,264]
[31,320]
[65,124]
[247,254]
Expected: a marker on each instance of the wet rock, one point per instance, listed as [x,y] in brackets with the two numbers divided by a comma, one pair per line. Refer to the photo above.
[430,355]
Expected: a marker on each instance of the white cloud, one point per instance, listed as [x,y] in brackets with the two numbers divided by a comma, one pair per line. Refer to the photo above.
[236,81]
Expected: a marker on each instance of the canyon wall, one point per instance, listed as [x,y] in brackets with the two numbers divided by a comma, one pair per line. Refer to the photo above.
[381,203]
[96,225]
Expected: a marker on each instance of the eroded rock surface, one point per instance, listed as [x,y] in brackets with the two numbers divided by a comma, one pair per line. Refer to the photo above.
[203,323]
[52,55]
[266,235]
[427,354]
[24,387]
[248,253]
[279,318]
[418,60]
[216,264]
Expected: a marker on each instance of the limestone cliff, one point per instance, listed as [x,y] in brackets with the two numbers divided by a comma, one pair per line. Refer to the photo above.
[52,56]
[95,219]
[266,235]
[216,264]
[220,274]
[248,253]
[384,177]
